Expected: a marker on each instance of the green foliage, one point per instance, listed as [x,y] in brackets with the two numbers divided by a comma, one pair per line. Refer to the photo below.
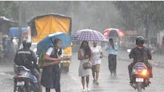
[41,60]
[143,13]
[8,8]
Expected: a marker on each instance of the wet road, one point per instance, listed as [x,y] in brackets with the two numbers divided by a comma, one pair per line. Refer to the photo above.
[71,82]
[121,82]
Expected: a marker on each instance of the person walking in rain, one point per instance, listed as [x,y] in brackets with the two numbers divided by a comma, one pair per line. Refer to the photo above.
[84,55]
[112,50]
[4,44]
[11,49]
[51,71]
[96,61]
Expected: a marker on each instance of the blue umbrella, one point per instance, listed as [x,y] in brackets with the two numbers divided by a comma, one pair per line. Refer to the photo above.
[47,42]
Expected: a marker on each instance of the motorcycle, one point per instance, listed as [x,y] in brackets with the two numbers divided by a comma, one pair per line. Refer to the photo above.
[25,81]
[140,76]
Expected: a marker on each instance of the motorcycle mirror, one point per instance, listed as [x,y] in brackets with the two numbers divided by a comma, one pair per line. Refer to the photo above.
[129,50]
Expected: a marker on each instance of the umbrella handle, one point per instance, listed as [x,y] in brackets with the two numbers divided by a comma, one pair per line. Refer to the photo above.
[52,41]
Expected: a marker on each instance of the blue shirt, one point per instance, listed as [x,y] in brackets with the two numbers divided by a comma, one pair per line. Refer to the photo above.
[112,50]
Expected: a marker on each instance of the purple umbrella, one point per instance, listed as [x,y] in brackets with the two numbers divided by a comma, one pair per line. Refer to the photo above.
[89,35]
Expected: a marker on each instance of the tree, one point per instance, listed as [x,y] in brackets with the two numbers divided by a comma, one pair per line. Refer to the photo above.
[9,9]
[143,13]
[95,15]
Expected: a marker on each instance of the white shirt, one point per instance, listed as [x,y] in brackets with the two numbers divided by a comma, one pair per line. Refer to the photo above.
[50,50]
[96,55]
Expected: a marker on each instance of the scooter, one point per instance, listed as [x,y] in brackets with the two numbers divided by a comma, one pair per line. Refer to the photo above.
[140,76]
[25,81]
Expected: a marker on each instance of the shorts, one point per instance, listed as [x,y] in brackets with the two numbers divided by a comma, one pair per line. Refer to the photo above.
[96,68]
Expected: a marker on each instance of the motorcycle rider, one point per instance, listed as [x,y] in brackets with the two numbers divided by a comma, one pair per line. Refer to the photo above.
[140,54]
[26,57]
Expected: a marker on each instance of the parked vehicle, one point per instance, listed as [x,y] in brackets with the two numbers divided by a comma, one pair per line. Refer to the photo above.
[14,31]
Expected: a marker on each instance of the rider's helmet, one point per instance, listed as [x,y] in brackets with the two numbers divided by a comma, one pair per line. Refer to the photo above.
[140,40]
[26,44]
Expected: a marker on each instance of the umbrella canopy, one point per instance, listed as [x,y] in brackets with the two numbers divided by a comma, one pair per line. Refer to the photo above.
[89,35]
[44,44]
[113,32]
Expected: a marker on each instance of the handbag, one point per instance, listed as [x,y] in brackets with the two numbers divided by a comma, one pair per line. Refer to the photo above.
[87,65]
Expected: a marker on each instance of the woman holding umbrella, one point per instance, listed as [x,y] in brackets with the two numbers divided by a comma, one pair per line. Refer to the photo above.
[84,55]
[51,71]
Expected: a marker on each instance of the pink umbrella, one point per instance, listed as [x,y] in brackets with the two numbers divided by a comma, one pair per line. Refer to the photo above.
[113,32]
[89,35]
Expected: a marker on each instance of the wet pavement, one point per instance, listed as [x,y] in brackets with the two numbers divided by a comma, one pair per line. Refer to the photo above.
[120,83]
[71,82]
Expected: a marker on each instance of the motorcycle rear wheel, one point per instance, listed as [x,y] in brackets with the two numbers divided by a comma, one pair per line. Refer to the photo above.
[28,87]
[22,90]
